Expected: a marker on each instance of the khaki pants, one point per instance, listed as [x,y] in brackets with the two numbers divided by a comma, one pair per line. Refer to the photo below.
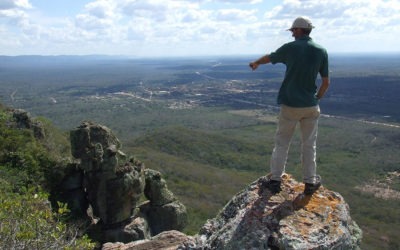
[288,119]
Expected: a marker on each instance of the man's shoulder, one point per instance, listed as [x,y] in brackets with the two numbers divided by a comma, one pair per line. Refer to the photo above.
[317,45]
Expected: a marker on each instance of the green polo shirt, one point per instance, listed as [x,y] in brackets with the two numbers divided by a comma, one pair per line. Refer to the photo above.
[304,59]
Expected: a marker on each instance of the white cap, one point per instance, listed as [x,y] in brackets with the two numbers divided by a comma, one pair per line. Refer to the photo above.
[302,23]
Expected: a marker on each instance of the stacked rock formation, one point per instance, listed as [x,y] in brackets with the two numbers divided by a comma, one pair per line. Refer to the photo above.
[162,210]
[114,183]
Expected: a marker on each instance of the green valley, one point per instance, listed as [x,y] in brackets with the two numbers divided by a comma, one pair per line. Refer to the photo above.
[209,129]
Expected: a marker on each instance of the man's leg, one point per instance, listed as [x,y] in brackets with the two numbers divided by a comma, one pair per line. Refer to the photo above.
[309,130]
[283,136]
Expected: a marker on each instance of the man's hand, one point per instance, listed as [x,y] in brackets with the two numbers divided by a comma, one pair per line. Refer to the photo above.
[253,65]
[262,60]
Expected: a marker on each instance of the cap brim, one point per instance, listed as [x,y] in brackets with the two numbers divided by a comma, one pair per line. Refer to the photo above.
[290,29]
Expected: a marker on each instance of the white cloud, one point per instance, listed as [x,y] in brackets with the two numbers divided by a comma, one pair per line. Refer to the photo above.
[98,15]
[352,25]
[241,1]
[194,16]
[13,4]
[12,15]
[155,10]
[359,12]
[232,15]
[14,11]
[101,9]
[198,26]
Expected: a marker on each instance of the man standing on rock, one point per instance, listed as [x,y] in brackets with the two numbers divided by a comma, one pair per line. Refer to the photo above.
[298,99]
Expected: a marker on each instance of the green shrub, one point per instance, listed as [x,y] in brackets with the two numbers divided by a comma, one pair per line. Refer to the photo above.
[28,222]
[25,160]
[27,165]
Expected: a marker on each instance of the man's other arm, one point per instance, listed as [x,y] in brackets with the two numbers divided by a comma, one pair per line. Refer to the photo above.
[323,88]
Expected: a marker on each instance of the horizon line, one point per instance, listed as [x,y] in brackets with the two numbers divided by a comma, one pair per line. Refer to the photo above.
[386,53]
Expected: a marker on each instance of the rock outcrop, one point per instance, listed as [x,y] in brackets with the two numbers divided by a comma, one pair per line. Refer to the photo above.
[112,184]
[253,219]
[168,240]
[163,211]
[256,219]
[24,120]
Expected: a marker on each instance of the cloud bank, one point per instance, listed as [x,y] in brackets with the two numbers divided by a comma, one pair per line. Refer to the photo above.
[195,27]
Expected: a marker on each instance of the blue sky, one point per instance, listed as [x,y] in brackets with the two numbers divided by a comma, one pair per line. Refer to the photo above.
[192,27]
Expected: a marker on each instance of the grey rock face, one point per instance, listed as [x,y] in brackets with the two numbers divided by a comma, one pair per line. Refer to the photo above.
[156,189]
[72,192]
[114,184]
[136,229]
[163,211]
[167,240]
[24,120]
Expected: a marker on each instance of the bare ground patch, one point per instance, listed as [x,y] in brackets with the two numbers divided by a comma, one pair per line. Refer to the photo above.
[382,188]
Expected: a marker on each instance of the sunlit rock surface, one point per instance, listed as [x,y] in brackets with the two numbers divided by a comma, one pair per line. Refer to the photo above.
[256,219]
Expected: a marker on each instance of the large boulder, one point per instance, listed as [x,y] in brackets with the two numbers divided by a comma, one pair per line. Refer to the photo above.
[94,142]
[24,120]
[136,229]
[163,211]
[167,240]
[256,219]
[156,189]
[71,191]
[114,184]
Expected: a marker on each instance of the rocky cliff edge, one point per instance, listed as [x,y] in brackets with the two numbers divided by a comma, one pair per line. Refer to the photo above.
[256,219]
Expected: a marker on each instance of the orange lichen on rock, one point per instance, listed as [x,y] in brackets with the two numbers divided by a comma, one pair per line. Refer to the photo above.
[311,214]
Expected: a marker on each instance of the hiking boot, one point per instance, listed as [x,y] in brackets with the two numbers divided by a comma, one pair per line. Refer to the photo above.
[310,188]
[272,185]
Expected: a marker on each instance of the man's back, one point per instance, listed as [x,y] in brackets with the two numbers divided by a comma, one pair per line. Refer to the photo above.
[304,59]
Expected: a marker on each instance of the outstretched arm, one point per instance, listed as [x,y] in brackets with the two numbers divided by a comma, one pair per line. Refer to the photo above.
[323,88]
[262,60]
